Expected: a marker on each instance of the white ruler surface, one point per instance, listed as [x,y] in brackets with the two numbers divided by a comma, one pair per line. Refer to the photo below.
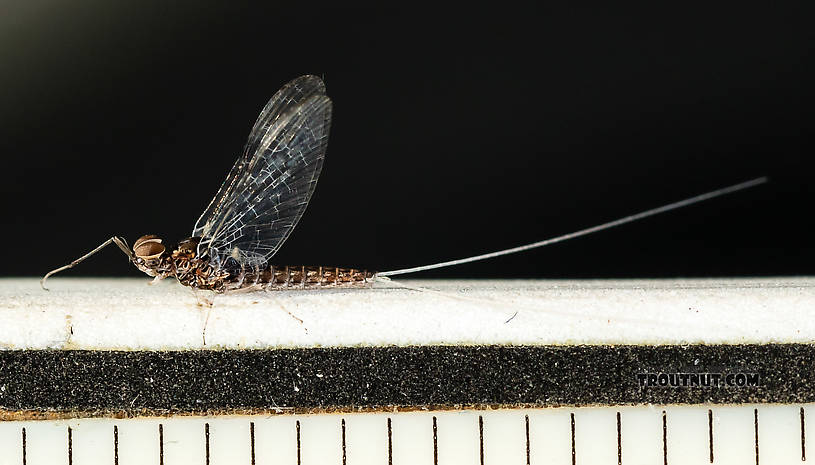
[112,314]
[769,434]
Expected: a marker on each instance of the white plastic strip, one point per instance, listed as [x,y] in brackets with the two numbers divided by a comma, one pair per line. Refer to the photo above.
[128,314]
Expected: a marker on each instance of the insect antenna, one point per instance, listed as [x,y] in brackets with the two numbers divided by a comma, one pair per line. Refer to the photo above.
[584,232]
[119,241]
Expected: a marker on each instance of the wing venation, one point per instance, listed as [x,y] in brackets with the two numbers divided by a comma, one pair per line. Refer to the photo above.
[271,183]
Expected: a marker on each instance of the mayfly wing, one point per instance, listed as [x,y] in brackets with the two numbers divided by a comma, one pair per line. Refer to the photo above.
[268,188]
[290,95]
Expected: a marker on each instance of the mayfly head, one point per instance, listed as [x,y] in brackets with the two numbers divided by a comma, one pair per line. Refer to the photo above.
[147,253]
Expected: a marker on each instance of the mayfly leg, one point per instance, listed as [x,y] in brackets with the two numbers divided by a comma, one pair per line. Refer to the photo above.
[295,317]
[204,301]
[120,242]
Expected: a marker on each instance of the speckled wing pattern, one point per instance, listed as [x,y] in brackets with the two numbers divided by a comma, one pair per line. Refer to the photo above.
[268,188]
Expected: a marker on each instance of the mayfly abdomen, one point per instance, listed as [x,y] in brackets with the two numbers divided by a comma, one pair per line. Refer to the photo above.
[299,277]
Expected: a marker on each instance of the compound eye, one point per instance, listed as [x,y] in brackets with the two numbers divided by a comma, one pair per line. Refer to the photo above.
[148,247]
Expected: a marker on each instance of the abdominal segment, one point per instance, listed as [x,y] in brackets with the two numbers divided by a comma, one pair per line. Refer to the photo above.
[299,277]
[273,278]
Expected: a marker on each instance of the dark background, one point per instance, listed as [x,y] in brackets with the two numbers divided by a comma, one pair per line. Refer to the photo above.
[453,134]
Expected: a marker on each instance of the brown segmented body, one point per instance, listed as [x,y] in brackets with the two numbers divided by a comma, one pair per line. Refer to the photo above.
[199,273]
[300,277]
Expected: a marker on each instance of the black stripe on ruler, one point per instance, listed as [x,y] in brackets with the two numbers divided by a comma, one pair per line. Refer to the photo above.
[101,382]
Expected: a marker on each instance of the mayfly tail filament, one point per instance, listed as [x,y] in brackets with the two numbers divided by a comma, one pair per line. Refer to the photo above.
[584,232]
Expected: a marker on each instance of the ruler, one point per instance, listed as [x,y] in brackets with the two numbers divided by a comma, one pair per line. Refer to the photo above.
[747,434]
[416,401]
[75,388]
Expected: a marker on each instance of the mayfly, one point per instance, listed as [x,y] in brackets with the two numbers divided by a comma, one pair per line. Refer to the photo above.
[265,195]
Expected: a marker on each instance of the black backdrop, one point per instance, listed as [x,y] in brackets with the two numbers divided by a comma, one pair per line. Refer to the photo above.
[453,134]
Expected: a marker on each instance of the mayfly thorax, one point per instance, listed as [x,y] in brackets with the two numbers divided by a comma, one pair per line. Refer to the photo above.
[264,196]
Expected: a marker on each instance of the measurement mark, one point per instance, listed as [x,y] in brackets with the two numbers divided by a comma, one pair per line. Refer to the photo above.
[160,444]
[664,438]
[70,447]
[115,445]
[390,443]
[755,416]
[619,441]
[297,426]
[526,420]
[481,438]
[343,441]
[435,442]
[206,442]
[252,440]
[710,432]
[574,458]
[24,458]
[803,438]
